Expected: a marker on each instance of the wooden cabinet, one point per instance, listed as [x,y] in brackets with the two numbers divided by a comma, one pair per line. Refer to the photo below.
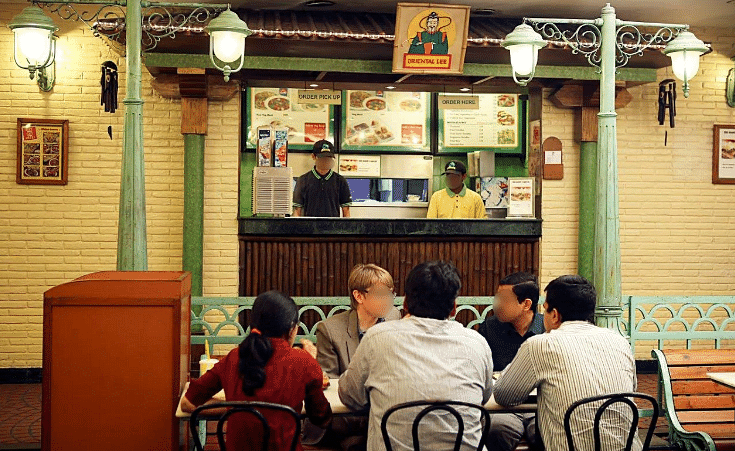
[115,359]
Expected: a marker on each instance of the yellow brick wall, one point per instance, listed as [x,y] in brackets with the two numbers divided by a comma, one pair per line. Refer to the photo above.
[52,234]
[675,225]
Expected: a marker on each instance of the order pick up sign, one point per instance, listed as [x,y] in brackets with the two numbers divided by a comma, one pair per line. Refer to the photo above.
[319,97]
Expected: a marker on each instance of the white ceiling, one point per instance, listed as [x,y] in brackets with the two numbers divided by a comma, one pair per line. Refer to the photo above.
[714,13]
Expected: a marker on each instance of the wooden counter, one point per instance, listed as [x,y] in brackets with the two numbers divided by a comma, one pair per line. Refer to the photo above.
[314,256]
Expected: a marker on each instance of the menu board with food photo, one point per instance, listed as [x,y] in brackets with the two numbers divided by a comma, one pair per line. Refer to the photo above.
[723,157]
[43,148]
[306,123]
[496,125]
[520,197]
[385,120]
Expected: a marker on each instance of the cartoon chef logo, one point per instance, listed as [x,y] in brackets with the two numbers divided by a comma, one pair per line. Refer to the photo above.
[431,32]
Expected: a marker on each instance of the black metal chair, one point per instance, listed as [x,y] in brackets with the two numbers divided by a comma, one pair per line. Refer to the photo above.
[233,407]
[431,406]
[626,422]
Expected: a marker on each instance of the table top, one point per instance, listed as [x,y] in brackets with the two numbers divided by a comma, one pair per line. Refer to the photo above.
[723,378]
[332,395]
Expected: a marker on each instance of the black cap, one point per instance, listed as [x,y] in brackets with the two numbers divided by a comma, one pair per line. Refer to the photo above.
[455,167]
[323,148]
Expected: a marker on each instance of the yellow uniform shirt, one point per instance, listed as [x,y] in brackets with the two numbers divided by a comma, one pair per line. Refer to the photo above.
[465,205]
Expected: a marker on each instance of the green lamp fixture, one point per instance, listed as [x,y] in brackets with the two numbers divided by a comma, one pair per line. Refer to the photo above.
[35,45]
[684,52]
[523,43]
[227,35]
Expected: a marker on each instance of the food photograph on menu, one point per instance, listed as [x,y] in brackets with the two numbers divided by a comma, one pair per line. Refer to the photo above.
[383,120]
[494,126]
[279,108]
[42,151]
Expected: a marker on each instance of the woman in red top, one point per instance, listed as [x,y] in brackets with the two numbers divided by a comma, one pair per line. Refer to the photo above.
[265,367]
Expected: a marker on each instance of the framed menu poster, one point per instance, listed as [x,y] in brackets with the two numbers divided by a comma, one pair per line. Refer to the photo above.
[385,121]
[496,126]
[307,123]
[43,152]
[723,156]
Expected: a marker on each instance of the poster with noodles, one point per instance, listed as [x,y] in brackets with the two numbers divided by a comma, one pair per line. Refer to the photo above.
[307,123]
[430,38]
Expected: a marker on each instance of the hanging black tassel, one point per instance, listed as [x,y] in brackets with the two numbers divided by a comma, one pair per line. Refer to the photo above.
[109,86]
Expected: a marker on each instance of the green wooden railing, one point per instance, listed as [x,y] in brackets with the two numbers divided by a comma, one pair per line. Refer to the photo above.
[681,321]
[678,320]
[226,328]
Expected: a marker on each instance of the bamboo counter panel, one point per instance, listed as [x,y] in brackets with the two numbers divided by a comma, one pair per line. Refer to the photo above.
[314,256]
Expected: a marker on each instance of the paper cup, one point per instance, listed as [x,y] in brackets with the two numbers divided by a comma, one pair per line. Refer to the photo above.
[206,365]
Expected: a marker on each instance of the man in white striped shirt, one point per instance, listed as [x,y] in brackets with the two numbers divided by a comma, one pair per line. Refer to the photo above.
[574,360]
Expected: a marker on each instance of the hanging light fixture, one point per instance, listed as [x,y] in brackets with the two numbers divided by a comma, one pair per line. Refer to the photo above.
[684,52]
[227,35]
[35,44]
[523,43]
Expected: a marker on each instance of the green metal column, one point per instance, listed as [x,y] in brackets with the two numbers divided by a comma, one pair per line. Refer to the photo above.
[193,253]
[132,254]
[587,196]
[607,221]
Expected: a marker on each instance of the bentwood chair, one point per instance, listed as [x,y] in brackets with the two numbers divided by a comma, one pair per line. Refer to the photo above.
[614,416]
[222,411]
[435,407]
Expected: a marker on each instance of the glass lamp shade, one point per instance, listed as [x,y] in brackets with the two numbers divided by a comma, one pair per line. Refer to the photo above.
[685,51]
[685,64]
[32,45]
[523,43]
[523,58]
[228,45]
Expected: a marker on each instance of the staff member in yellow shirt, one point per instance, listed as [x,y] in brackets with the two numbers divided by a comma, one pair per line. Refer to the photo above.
[456,201]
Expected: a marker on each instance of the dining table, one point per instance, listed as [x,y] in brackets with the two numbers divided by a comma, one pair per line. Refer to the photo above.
[332,395]
[724,378]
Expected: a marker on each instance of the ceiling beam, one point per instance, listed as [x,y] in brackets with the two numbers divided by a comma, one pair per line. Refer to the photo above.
[175,60]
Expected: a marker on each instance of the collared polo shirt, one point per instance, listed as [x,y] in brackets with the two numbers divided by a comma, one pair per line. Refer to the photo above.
[504,339]
[448,204]
[321,196]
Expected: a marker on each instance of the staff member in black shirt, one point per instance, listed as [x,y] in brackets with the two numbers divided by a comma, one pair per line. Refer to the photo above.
[321,191]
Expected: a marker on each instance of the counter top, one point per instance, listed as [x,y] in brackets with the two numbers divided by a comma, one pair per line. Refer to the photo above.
[389,227]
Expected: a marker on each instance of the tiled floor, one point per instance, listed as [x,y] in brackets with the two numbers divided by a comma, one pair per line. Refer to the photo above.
[20,416]
[20,413]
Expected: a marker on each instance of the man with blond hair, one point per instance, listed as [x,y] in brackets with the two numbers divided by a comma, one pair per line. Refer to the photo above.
[371,297]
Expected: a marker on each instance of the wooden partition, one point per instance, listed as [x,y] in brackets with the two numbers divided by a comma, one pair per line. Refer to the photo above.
[115,360]
[320,266]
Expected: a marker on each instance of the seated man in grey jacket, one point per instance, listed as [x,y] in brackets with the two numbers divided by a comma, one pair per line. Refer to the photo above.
[424,356]
[371,295]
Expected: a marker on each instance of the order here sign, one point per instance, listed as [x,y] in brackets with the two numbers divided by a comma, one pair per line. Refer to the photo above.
[320,97]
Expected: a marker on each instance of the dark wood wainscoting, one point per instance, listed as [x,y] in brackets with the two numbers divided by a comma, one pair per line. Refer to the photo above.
[320,266]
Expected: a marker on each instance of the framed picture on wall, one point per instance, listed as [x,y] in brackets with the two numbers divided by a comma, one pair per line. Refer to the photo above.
[723,154]
[43,151]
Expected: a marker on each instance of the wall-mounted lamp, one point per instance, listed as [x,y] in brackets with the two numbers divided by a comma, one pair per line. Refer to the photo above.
[227,35]
[523,43]
[35,45]
[684,52]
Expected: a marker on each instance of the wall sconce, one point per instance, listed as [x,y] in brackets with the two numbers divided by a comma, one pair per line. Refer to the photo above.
[227,35]
[523,43]
[684,52]
[35,45]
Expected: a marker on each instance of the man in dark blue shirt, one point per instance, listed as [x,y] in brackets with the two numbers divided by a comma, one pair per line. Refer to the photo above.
[322,192]
[514,320]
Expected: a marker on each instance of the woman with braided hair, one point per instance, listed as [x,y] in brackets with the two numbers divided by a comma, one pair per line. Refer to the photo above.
[265,367]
